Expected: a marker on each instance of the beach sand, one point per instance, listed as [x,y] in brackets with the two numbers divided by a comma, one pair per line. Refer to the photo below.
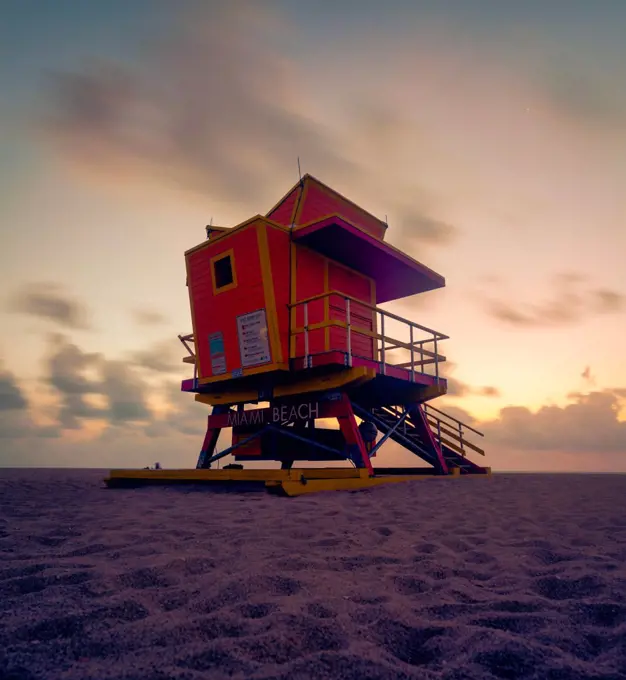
[517,576]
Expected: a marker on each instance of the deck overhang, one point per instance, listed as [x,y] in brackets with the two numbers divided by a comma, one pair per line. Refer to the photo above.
[396,275]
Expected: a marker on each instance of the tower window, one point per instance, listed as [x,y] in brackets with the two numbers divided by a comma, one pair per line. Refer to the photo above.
[223,272]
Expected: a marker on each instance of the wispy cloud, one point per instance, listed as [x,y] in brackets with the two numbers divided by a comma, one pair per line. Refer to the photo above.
[222,110]
[163,357]
[49,301]
[572,300]
[148,317]
[595,97]
[458,389]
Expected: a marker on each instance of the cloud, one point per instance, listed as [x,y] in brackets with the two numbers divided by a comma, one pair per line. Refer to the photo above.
[15,418]
[123,393]
[588,377]
[186,416]
[593,98]
[590,424]
[223,111]
[11,397]
[213,108]
[116,382]
[126,393]
[48,301]
[458,388]
[65,372]
[570,303]
[163,357]
[419,228]
[148,317]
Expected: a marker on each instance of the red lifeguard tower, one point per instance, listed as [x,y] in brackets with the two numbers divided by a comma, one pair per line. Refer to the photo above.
[284,311]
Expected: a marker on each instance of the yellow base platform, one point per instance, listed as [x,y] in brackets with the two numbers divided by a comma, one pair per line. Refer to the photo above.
[294,482]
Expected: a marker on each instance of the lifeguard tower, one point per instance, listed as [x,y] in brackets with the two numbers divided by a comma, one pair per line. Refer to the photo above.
[287,334]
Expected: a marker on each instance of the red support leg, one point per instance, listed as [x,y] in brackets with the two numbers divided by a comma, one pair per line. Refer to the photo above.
[210,439]
[354,440]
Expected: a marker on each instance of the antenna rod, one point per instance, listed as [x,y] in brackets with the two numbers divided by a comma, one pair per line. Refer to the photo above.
[299,171]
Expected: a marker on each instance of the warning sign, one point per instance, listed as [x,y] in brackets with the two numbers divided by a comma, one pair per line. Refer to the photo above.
[218,357]
[253,338]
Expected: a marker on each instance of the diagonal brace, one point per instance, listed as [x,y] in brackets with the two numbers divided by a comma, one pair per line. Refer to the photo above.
[389,433]
[284,431]
[230,449]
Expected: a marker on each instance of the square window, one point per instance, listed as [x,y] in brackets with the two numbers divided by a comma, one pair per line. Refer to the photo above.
[223,272]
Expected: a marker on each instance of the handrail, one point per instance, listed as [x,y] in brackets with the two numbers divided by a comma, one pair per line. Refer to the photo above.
[440,429]
[428,407]
[384,343]
[391,315]
[376,336]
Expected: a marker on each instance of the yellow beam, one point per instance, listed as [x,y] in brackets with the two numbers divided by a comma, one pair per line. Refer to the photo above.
[350,376]
[228,397]
[245,475]
[315,479]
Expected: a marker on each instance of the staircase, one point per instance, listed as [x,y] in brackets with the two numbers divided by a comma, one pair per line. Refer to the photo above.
[449,434]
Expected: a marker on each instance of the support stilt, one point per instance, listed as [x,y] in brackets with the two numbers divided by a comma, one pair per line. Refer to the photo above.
[210,439]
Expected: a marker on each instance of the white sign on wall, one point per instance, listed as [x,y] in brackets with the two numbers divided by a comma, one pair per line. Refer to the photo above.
[254,345]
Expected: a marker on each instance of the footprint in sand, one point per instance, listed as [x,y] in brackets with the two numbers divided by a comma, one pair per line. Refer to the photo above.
[602,614]
[512,661]
[407,643]
[257,611]
[555,588]
[140,579]
[384,531]
[320,611]
[292,637]
[409,585]
[219,660]
[520,625]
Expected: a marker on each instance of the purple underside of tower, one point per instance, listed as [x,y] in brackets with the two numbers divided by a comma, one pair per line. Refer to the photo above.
[396,274]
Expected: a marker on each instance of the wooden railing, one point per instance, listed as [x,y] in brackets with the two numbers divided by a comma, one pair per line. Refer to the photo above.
[421,347]
[451,431]
[448,430]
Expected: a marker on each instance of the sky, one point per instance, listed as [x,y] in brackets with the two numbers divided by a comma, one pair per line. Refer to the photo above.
[491,134]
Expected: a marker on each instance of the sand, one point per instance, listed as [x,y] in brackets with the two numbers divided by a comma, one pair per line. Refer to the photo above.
[517,576]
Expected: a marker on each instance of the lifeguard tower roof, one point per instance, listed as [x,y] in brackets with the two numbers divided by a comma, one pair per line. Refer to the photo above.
[329,223]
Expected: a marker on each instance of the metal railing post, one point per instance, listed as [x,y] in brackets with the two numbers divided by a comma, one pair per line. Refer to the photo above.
[382,350]
[461,439]
[436,363]
[348,332]
[439,431]
[306,335]
[412,359]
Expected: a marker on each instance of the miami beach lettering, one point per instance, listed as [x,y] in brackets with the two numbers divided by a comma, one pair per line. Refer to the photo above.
[274,414]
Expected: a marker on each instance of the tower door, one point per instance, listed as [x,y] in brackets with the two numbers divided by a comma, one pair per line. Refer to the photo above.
[362,317]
